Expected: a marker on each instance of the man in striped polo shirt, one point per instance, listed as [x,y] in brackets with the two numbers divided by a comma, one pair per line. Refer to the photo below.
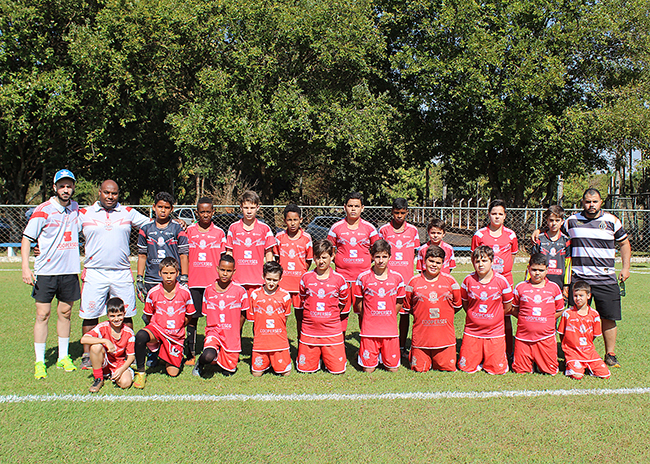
[593,235]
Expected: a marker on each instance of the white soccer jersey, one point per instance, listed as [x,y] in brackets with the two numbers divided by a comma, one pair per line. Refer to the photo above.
[107,235]
[56,228]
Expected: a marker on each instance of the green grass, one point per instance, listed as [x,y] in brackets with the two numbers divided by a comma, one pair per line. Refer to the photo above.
[613,428]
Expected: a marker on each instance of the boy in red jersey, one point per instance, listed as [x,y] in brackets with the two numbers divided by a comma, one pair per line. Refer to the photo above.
[352,238]
[503,242]
[295,254]
[404,241]
[537,303]
[207,242]
[224,303]
[487,297]
[323,294]
[268,311]
[167,311]
[578,327]
[436,230]
[433,298]
[112,348]
[379,294]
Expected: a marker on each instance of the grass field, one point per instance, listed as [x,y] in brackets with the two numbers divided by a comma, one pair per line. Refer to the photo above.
[603,422]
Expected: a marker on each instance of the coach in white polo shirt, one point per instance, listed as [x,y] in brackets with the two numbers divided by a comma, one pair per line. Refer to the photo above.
[106,225]
[54,224]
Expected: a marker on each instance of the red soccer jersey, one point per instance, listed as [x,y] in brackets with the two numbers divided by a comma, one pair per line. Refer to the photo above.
[320,300]
[294,254]
[433,305]
[485,305]
[503,246]
[449,262]
[124,346]
[380,298]
[537,307]
[403,245]
[352,247]
[269,315]
[248,248]
[205,252]
[222,311]
[579,333]
[168,315]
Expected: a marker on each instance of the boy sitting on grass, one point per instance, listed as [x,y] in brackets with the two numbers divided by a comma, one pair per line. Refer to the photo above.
[579,326]
[112,348]
[167,310]
[269,308]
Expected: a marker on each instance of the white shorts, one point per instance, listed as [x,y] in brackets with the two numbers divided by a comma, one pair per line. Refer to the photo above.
[101,284]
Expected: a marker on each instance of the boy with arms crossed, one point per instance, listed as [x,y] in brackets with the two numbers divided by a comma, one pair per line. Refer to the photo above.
[579,325]
[436,230]
[224,303]
[352,238]
[433,298]
[295,254]
[404,241]
[323,294]
[167,311]
[379,294]
[487,297]
[269,308]
[112,348]
[537,304]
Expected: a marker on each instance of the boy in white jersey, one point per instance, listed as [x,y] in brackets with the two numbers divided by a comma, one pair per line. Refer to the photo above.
[54,224]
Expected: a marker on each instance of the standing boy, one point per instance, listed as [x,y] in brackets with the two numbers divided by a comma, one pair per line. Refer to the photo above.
[269,308]
[537,304]
[433,298]
[487,297]
[555,245]
[578,327]
[54,224]
[404,241]
[436,230]
[352,238]
[295,254]
[379,295]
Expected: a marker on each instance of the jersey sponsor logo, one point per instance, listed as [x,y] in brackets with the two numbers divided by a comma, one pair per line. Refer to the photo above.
[171,325]
[552,263]
[353,253]
[291,266]
[67,236]
[434,313]
[482,308]
[399,256]
[203,256]
[248,254]
[162,254]
[320,306]
[270,324]
[381,305]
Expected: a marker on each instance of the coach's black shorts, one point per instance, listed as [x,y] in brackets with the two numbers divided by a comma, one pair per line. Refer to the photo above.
[65,287]
[197,299]
[606,299]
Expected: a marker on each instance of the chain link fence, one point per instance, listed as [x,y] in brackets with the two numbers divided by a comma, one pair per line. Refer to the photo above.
[462,221]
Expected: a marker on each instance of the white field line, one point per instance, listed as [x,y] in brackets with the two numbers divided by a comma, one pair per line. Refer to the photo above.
[6,399]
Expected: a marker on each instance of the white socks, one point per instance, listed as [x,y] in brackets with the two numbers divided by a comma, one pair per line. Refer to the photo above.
[39,349]
[63,347]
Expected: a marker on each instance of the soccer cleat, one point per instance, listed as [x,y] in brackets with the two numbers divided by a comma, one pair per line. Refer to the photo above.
[85,362]
[140,380]
[190,361]
[198,370]
[40,372]
[97,385]
[66,364]
[611,361]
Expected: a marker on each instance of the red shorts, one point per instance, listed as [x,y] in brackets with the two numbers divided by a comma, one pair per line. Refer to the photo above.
[373,350]
[169,349]
[488,354]
[542,352]
[309,358]
[439,359]
[227,360]
[280,361]
[575,368]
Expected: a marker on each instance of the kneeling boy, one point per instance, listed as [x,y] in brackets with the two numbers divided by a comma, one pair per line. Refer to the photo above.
[112,348]
[167,311]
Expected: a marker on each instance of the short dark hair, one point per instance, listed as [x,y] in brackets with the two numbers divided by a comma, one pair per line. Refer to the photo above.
[115,305]
[591,191]
[163,196]
[437,223]
[354,196]
[555,210]
[250,197]
[496,203]
[482,251]
[434,251]
[169,261]
[400,203]
[272,267]
[538,259]
[205,201]
[323,246]
[380,246]
[226,258]
[581,285]
[292,208]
